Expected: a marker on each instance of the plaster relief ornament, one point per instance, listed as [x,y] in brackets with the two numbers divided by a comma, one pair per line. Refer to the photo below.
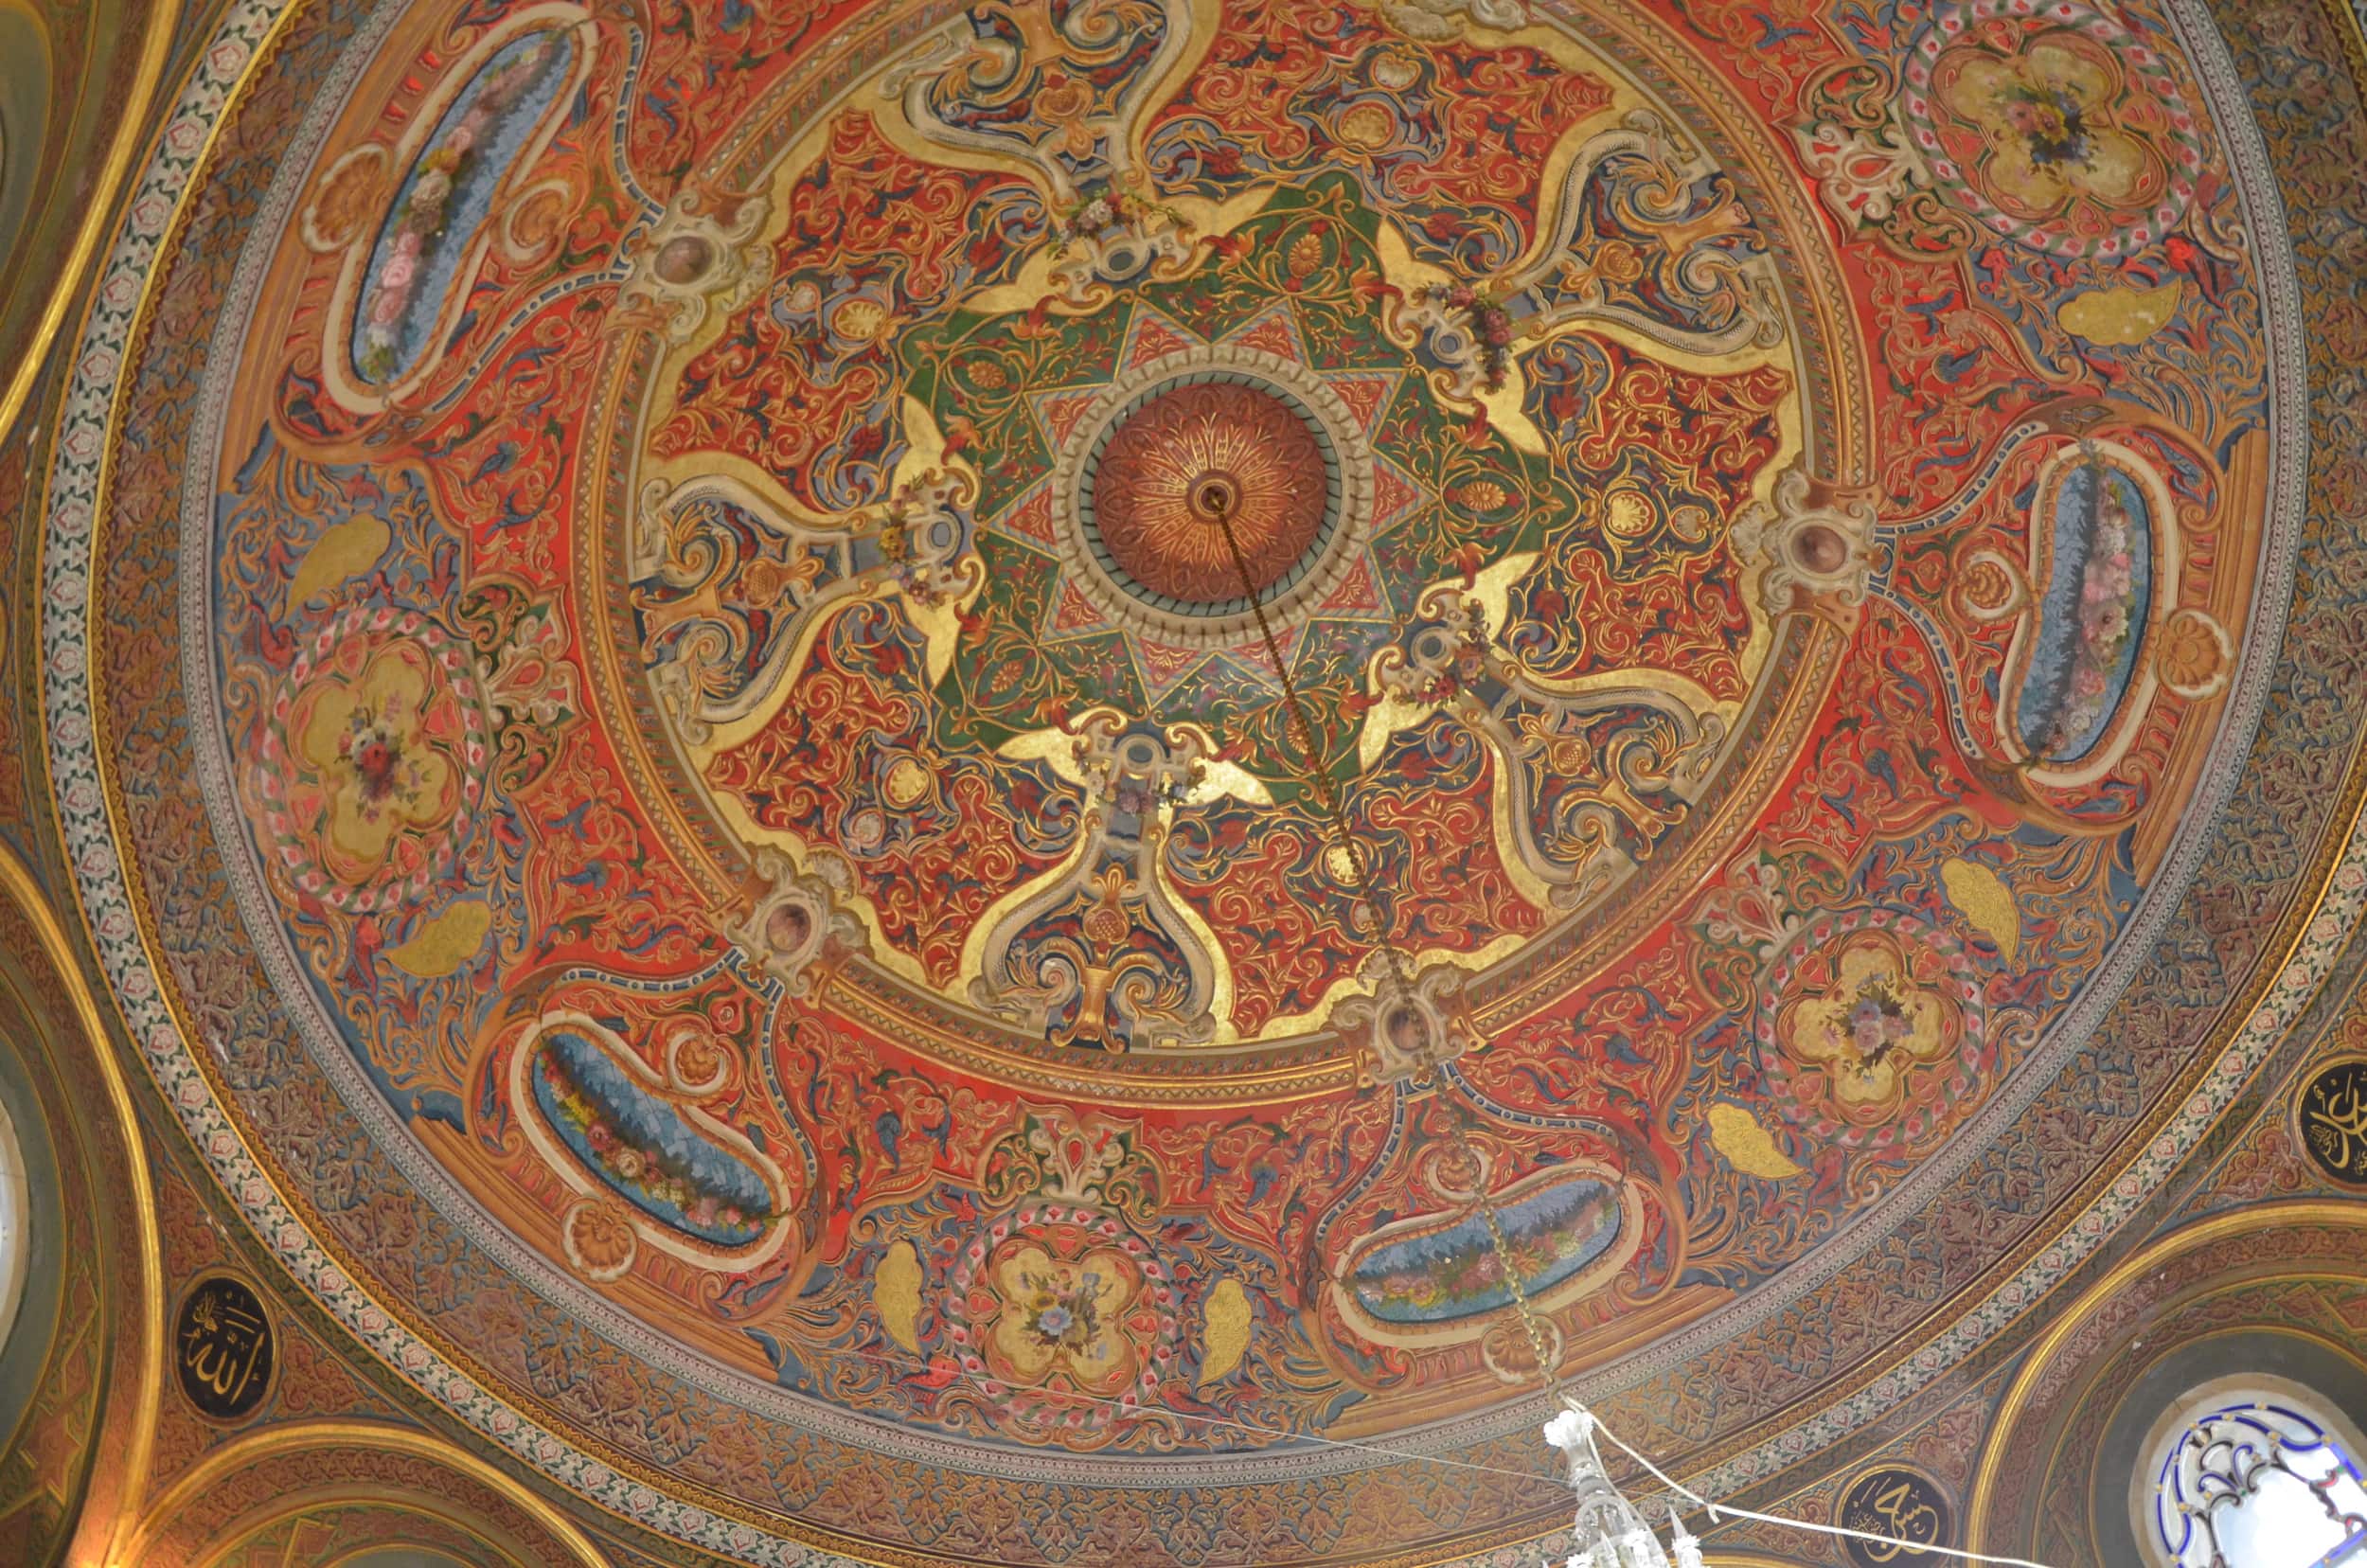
[347,196]
[1282,447]
[1409,1030]
[696,260]
[887,719]
[1114,237]
[1811,544]
[1106,955]
[797,926]
[1061,87]
[1436,21]
[727,586]
[1595,770]
[1870,172]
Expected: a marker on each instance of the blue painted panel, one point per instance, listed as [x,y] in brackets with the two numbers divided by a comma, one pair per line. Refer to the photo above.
[1452,1274]
[2091,614]
[642,1148]
[447,195]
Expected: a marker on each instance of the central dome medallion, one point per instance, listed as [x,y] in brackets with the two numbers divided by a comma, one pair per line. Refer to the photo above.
[1143,477]
[1036,764]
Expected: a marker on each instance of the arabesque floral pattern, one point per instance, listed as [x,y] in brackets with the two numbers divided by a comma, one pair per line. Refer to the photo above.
[371,765]
[1061,1318]
[373,744]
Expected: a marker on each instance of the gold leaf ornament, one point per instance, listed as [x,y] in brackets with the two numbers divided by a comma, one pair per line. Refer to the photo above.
[346,550]
[443,944]
[2121,315]
[1748,1147]
[895,1294]
[1223,1331]
[1982,896]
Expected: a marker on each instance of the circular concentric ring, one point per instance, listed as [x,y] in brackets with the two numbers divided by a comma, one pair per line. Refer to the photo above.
[1188,456]
[1137,480]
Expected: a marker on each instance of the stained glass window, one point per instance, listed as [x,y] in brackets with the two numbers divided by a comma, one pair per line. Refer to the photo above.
[2257,1483]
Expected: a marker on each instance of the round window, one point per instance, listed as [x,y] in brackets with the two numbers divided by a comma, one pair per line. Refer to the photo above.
[2252,1474]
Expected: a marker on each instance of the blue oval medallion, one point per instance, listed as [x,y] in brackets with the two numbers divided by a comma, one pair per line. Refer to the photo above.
[2091,614]
[445,198]
[643,1148]
[1452,1273]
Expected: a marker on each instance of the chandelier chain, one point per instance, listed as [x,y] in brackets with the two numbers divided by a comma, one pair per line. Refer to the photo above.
[1219,503]
[1530,1325]
[1318,776]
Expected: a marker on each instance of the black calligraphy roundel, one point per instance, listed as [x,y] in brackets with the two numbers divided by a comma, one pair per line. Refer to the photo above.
[2332,1111]
[1904,1505]
[223,1349]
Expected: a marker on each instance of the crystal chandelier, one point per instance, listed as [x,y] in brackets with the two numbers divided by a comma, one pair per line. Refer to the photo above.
[1609,1532]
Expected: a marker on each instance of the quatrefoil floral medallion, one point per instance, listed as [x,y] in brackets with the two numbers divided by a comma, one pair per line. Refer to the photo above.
[1872,1031]
[1061,1312]
[371,763]
[2048,112]
[2057,129]
[1060,1317]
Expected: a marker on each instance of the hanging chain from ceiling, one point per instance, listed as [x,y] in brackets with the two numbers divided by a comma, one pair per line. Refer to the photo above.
[1609,1532]
[1216,500]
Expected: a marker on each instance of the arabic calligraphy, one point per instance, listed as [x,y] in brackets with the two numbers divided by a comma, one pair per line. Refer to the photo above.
[2334,1120]
[1902,1505]
[223,1349]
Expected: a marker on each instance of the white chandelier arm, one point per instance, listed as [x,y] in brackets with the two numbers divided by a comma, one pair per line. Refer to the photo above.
[1720,1510]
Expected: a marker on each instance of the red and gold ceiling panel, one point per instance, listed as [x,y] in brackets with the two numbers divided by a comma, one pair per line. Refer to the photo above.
[720,835]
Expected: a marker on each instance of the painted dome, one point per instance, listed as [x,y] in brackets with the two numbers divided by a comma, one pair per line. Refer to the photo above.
[672,763]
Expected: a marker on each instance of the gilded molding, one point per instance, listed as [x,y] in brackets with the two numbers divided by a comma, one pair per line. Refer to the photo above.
[98,216]
[272,1440]
[146,1365]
